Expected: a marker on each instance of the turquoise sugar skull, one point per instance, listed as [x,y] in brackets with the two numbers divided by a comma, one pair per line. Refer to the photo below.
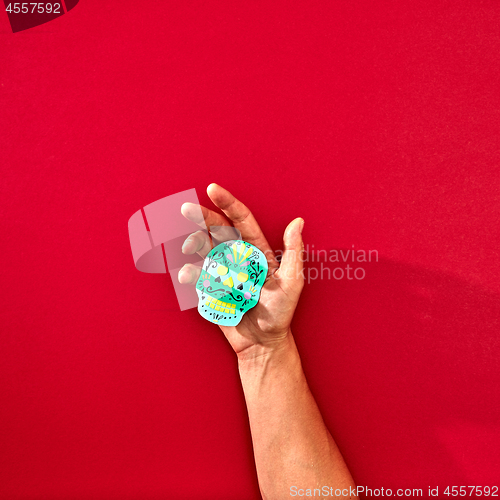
[230,282]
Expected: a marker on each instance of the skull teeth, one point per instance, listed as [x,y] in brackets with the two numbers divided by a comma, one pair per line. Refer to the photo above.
[218,305]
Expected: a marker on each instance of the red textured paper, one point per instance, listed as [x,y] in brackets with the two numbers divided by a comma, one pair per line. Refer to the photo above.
[377,122]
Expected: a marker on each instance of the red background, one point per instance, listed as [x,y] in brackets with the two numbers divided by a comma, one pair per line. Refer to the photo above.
[378,122]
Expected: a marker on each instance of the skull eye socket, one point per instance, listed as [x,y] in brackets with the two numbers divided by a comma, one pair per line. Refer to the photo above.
[222,270]
[242,277]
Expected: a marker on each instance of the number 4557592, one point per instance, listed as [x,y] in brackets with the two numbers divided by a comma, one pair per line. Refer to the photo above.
[40,8]
[477,491]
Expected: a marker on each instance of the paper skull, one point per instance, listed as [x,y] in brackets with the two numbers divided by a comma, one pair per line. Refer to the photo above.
[230,282]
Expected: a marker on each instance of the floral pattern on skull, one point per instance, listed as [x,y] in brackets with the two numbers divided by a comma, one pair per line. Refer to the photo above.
[232,277]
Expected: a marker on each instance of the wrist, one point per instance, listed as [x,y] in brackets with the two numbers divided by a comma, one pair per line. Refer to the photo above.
[265,372]
[259,355]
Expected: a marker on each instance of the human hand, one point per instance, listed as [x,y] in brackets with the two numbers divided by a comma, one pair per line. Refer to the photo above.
[266,327]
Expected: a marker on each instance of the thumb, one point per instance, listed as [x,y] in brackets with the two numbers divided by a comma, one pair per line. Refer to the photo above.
[290,272]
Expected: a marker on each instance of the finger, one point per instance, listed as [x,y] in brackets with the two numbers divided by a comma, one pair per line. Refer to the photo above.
[219,234]
[199,243]
[292,264]
[243,220]
[189,274]
[203,216]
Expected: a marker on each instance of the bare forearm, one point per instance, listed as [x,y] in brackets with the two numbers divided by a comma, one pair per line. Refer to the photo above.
[292,445]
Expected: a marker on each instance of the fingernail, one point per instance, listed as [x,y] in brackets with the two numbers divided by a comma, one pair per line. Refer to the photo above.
[179,276]
[302,222]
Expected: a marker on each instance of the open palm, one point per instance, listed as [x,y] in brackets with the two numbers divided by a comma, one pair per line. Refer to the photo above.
[267,325]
